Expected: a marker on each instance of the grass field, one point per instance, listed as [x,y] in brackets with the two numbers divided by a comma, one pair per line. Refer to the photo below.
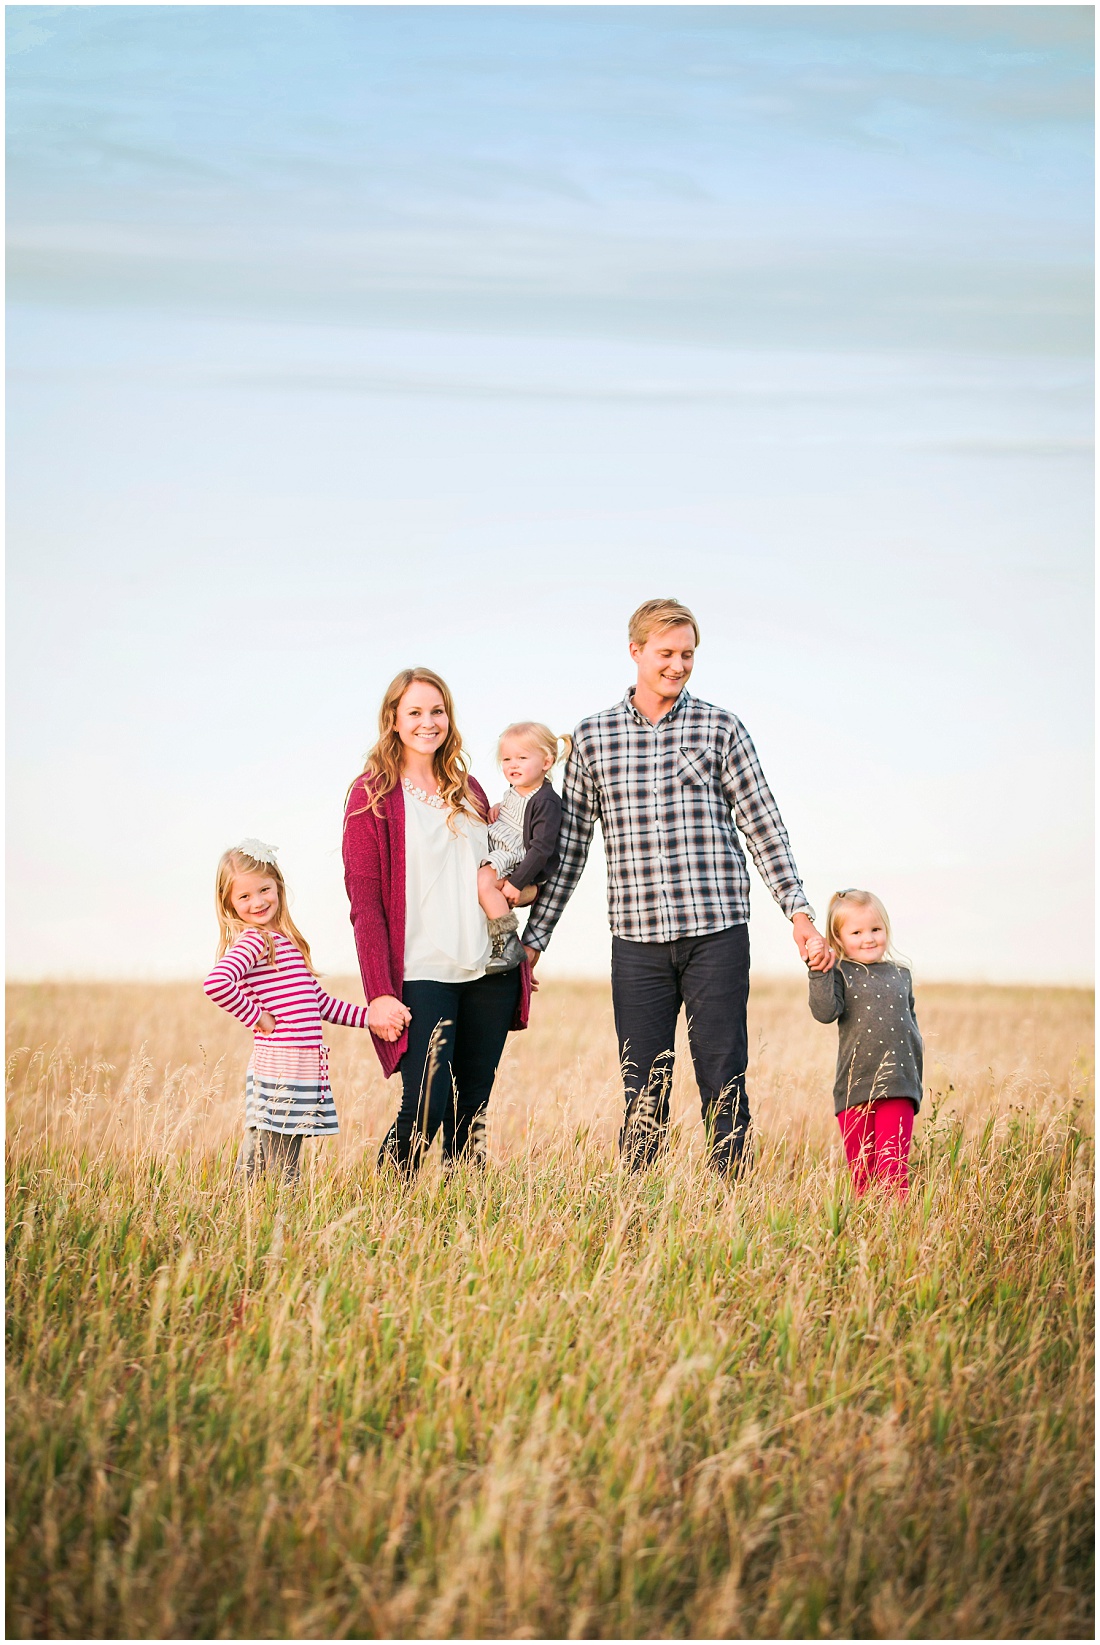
[548,1400]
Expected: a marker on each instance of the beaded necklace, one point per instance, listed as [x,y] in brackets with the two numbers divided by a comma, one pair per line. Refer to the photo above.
[436,801]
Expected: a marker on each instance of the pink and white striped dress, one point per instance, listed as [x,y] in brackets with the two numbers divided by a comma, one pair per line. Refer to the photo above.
[287,1084]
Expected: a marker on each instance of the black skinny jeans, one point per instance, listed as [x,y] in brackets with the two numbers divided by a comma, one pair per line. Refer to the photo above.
[650,981]
[456,1037]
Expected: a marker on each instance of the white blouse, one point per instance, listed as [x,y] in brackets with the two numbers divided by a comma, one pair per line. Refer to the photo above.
[446,933]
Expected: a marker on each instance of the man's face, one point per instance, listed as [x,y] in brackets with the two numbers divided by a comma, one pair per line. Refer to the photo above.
[666,660]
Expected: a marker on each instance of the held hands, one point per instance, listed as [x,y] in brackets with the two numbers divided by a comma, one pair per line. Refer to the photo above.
[387,1017]
[267,1023]
[811,944]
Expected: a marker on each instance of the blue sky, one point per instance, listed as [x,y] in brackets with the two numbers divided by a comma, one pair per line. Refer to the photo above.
[346,336]
[847,176]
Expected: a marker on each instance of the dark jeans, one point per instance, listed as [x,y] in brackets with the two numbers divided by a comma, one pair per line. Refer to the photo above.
[649,982]
[456,1036]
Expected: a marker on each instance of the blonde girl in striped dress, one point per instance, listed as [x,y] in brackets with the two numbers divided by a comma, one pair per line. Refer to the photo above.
[265,978]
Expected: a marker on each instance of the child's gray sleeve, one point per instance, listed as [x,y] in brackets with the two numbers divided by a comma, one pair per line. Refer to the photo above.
[918,1049]
[827,999]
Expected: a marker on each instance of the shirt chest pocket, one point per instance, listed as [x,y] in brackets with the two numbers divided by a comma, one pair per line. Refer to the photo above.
[695,767]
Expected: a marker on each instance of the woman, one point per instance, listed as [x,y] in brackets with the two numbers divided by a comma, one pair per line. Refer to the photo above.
[414,837]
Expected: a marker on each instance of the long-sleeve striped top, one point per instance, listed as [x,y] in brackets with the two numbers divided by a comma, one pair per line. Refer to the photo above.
[670,799]
[246,984]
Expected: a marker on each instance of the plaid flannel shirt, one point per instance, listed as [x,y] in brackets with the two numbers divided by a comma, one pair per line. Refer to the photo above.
[667,797]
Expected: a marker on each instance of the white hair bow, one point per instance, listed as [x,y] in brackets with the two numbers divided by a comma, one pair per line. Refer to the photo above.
[258,850]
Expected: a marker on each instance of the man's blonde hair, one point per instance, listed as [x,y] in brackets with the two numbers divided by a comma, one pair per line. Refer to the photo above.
[655,616]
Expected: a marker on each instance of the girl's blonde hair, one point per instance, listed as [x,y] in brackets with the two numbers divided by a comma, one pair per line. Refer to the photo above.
[230,925]
[839,903]
[382,767]
[538,736]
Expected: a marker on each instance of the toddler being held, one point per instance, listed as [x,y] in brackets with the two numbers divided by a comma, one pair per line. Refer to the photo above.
[523,835]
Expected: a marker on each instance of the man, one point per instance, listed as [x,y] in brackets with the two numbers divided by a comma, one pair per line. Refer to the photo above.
[669,776]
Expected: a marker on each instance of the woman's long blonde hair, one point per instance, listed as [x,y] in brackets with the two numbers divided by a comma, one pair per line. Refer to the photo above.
[230,924]
[839,902]
[538,736]
[382,767]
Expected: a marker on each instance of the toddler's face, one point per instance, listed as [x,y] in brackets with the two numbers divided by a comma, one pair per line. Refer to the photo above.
[862,935]
[524,766]
[254,898]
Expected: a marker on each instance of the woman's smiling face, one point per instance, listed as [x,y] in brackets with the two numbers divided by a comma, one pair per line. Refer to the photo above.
[421,721]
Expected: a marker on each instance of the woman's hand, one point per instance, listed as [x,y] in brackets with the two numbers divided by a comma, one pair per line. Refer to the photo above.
[387,1017]
[267,1023]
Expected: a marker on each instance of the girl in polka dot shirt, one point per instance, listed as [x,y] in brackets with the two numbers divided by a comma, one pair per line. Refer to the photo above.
[880,1057]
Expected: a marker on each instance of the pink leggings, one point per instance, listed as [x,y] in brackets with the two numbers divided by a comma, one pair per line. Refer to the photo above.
[876,1140]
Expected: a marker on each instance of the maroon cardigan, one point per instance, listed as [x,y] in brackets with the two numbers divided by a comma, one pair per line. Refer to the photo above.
[374,874]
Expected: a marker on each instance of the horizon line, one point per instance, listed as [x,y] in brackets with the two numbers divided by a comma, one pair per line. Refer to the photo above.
[603,979]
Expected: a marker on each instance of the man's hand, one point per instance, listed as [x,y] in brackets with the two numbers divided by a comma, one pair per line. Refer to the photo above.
[805,934]
[387,1017]
[533,960]
[509,893]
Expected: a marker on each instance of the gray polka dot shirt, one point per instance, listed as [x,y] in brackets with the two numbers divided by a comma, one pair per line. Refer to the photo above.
[881,1053]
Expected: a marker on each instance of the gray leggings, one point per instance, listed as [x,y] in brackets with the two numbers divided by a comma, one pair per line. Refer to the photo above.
[270,1150]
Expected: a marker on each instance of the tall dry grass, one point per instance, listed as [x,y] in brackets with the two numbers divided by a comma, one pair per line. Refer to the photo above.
[549,1399]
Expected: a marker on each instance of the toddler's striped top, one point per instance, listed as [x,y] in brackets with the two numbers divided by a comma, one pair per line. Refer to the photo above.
[246,984]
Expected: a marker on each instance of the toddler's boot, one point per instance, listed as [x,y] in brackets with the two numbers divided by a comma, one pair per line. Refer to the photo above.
[507,948]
